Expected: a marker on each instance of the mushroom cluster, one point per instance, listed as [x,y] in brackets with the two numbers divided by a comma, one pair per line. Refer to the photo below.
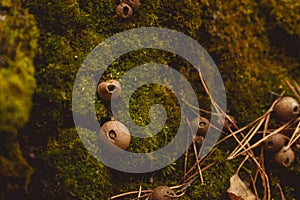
[285,110]
[276,144]
[114,132]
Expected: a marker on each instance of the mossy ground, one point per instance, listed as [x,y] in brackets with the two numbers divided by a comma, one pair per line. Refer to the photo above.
[255,45]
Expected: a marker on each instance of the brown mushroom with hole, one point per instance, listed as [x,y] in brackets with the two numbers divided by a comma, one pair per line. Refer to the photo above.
[124,11]
[134,4]
[201,124]
[116,133]
[163,193]
[109,90]
[286,109]
[274,143]
[285,157]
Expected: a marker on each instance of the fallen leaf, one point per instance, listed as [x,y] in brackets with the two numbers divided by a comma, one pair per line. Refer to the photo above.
[238,190]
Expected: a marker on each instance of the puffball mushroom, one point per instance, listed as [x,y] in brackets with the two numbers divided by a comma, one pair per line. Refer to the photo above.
[201,124]
[274,143]
[285,157]
[116,133]
[123,10]
[134,4]
[162,193]
[109,90]
[286,108]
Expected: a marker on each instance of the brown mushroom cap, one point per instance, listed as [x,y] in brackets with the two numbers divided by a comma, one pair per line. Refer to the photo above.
[285,157]
[123,10]
[286,109]
[109,90]
[201,124]
[134,4]
[274,143]
[162,193]
[116,133]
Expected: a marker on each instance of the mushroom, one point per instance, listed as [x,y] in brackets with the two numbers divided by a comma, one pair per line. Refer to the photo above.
[163,193]
[134,4]
[116,133]
[274,143]
[109,90]
[123,10]
[201,124]
[285,157]
[286,109]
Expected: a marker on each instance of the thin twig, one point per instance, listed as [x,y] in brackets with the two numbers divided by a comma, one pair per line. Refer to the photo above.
[198,109]
[295,136]
[196,154]
[265,178]
[203,169]
[197,161]
[292,88]
[251,135]
[297,88]
[140,191]
[143,196]
[185,160]
[253,184]
[262,140]
[253,131]
[241,164]
[281,191]
[128,193]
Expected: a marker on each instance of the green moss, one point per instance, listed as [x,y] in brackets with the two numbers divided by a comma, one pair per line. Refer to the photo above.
[278,11]
[18,41]
[70,171]
[15,172]
[18,36]
[238,35]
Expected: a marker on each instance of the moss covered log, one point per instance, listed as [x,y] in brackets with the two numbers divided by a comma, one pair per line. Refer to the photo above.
[18,46]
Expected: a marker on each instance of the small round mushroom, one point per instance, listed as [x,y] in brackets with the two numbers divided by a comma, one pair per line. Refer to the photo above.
[116,133]
[274,143]
[202,126]
[109,90]
[285,157]
[134,4]
[123,10]
[286,109]
[162,193]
